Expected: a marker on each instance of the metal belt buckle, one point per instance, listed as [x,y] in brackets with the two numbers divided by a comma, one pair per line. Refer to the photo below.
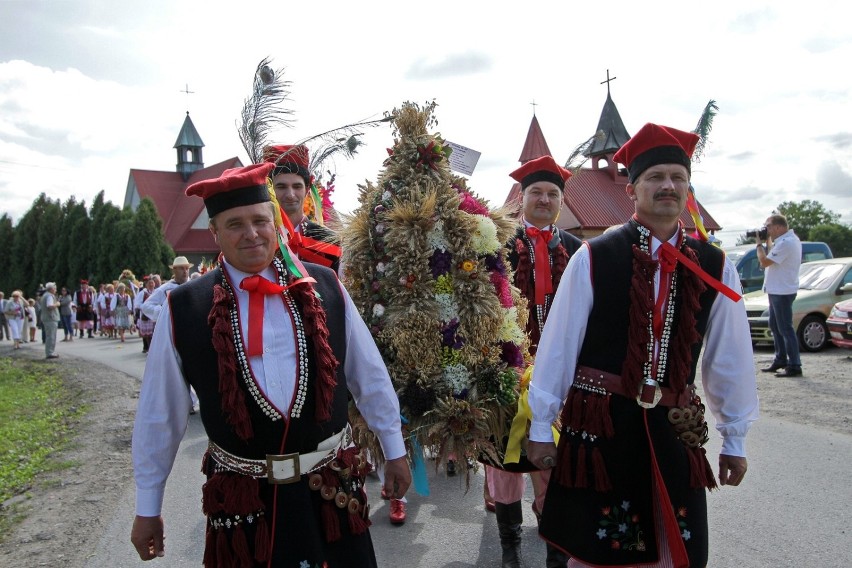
[658,394]
[276,468]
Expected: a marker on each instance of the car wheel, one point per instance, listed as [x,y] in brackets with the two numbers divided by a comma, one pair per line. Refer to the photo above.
[813,334]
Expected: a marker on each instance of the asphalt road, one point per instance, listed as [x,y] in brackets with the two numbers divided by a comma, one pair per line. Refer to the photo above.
[792,510]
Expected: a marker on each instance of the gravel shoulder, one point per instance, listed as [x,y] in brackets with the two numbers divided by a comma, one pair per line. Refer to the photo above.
[68,509]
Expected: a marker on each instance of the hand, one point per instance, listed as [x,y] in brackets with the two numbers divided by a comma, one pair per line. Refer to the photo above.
[147,536]
[732,469]
[397,477]
[541,454]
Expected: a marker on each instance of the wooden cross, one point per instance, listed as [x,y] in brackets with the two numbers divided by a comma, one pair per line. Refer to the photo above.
[608,81]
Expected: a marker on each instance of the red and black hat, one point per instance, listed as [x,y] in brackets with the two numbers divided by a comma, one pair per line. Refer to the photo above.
[289,160]
[653,145]
[544,168]
[234,188]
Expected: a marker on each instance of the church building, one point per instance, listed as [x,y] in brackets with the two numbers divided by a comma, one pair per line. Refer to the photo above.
[184,218]
[594,198]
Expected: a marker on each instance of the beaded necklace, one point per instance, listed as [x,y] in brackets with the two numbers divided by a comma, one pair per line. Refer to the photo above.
[302,350]
[654,368]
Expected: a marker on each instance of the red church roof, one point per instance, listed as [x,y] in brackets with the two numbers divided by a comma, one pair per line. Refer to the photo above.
[179,212]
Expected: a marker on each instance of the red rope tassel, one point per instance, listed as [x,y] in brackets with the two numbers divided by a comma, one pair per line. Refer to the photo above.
[575,421]
[606,419]
[330,521]
[602,482]
[262,545]
[240,546]
[581,476]
[316,328]
[223,550]
[233,400]
[210,547]
[709,478]
[563,464]
[357,525]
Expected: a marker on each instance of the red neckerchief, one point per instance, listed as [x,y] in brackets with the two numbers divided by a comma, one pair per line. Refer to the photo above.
[543,283]
[257,286]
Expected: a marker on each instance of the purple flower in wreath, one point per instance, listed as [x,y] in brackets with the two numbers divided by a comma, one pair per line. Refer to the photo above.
[450,335]
[440,263]
[511,354]
[493,263]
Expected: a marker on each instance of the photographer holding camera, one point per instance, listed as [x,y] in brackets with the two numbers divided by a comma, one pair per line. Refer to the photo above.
[781,261]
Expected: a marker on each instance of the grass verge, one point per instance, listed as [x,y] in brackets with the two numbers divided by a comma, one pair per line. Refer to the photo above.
[36,415]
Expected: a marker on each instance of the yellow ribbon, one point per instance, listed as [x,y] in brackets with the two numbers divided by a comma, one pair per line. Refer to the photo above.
[520,423]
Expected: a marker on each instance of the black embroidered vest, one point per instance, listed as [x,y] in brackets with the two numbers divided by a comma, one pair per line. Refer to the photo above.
[606,339]
[190,305]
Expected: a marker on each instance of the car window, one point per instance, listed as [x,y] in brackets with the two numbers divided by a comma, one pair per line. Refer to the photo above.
[847,278]
[812,256]
[751,269]
[818,276]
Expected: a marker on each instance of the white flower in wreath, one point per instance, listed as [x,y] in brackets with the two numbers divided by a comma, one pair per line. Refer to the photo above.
[447,307]
[457,377]
[380,228]
[509,329]
[380,267]
[436,238]
[484,238]
[386,196]
[378,311]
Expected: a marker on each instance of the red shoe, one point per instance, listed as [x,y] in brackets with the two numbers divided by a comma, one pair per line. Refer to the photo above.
[385,495]
[397,512]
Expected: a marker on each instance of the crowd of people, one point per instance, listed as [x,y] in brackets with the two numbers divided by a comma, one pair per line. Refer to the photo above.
[113,310]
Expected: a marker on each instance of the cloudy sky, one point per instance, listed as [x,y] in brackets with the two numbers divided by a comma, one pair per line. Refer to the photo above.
[92,88]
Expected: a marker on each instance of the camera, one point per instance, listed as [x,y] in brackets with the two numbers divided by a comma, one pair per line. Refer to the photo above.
[761,233]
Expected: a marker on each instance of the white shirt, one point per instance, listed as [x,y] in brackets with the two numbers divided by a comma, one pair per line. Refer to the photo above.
[727,367]
[162,415]
[782,276]
[154,304]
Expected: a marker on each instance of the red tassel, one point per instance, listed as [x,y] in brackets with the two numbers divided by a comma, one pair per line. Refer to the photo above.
[330,521]
[602,482]
[709,478]
[223,550]
[210,547]
[606,419]
[240,546]
[212,496]
[563,464]
[314,319]
[357,525]
[262,544]
[576,422]
[581,477]
[696,469]
[233,400]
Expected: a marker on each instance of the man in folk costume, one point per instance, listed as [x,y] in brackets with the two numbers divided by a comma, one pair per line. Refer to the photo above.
[538,253]
[85,301]
[143,322]
[274,352]
[292,181]
[633,310]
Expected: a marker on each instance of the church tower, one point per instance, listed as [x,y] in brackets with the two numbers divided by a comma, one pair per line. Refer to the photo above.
[611,135]
[188,147]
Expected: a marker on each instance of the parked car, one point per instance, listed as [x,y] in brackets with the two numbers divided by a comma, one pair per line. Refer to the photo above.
[839,323]
[822,283]
[744,258]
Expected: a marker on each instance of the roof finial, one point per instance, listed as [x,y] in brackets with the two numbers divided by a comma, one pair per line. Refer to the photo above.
[533,105]
[607,81]
[188,92]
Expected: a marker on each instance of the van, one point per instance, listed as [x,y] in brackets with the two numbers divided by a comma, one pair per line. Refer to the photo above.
[744,258]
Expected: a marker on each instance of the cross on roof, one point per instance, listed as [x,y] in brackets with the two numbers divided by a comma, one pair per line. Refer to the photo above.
[534,104]
[188,92]
[608,81]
